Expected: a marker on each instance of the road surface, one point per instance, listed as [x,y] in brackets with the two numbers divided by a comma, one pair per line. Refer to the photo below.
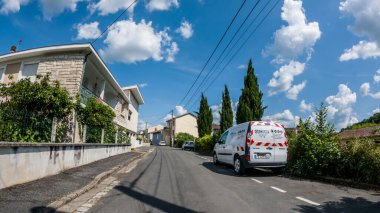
[172,180]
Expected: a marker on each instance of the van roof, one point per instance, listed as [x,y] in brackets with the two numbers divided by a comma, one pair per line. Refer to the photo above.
[266,123]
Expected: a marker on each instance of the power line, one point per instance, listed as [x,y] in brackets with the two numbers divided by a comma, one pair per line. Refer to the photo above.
[213,52]
[121,14]
[224,50]
[240,37]
[237,51]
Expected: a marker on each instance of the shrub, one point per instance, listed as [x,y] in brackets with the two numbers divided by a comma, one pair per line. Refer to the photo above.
[205,143]
[97,116]
[360,161]
[28,108]
[314,151]
[182,137]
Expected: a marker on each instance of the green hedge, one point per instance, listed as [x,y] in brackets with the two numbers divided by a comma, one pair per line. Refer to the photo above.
[206,143]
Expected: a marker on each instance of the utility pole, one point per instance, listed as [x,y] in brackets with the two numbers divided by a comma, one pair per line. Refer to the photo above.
[172,129]
[146,132]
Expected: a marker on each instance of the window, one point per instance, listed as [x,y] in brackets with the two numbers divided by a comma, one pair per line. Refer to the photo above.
[29,71]
[2,70]
[223,138]
[129,115]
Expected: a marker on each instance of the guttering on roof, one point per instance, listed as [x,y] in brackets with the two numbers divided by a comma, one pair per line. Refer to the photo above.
[136,93]
[85,47]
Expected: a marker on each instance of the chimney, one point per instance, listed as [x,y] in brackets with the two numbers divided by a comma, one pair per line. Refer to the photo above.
[13,49]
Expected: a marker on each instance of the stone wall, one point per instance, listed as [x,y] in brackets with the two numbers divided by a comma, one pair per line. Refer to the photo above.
[67,69]
[24,162]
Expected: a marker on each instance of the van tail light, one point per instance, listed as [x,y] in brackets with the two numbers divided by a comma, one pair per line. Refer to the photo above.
[248,158]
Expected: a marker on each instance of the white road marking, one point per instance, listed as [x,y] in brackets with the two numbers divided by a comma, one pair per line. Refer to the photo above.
[278,189]
[308,201]
[256,180]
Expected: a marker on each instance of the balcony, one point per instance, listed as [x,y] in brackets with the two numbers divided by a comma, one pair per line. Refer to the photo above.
[86,93]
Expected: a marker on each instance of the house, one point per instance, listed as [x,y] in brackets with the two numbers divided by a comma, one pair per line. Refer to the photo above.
[186,123]
[215,129]
[79,69]
[156,134]
[371,133]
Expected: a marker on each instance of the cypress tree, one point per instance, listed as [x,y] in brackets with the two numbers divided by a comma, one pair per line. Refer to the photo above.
[226,115]
[250,102]
[204,120]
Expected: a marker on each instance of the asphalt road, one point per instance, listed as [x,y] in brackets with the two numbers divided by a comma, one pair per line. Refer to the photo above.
[172,180]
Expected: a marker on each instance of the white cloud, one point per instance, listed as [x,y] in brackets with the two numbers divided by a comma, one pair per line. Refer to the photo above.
[377,110]
[283,78]
[376,77]
[12,6]
[340,107]
[366,14]
[363,50]
[52,8]
[305,107]
[106,7]
[142,85]
[186,30]
[172,51]
[286,118]
[129,42]
[242,66]
[365,88]
[161,4]
[180,110]
[88,31]
[293,92]
[215,109]
[298,37]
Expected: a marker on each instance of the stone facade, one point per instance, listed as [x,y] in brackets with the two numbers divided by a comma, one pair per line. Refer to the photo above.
[67,69]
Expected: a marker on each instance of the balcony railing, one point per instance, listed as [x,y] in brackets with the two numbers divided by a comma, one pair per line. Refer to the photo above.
[86,93]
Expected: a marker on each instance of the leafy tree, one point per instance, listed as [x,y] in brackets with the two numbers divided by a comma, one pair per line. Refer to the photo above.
[250,102]
[182,137]
[204,119]
[226,115]
[27,110]
[97,116]
[314,150]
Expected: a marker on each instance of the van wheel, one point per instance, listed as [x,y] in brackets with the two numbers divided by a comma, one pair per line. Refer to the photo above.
[239,166]
[215,159]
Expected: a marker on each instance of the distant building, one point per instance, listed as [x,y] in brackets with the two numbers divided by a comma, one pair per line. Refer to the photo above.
[186,123]
[371,133]
[215,129]
[156,134]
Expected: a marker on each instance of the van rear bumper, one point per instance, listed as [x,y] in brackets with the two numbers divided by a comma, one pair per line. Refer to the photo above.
[250,164]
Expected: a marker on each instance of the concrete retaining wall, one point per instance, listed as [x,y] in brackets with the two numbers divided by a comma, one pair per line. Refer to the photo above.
[24,162]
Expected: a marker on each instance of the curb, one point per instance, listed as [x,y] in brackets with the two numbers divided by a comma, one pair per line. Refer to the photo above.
[100,177]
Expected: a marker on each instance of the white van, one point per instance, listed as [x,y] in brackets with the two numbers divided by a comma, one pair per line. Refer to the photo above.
[255,144]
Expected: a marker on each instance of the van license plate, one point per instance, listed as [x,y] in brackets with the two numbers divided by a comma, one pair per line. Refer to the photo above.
[262,156]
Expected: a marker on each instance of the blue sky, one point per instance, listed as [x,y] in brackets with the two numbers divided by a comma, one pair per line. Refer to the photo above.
[304,53]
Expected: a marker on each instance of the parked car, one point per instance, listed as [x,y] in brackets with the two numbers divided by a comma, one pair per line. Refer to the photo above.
[162,143]
[188,145]
[254,144]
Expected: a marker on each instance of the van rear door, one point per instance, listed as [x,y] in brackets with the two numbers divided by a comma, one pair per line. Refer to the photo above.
[281,143]
[260,147]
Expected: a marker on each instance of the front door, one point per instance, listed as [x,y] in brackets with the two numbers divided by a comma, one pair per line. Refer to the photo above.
[221,148]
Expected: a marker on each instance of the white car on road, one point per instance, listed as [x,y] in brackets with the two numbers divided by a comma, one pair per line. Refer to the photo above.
[253,144]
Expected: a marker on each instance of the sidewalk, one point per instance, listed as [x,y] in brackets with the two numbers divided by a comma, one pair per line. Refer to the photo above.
[36,195]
